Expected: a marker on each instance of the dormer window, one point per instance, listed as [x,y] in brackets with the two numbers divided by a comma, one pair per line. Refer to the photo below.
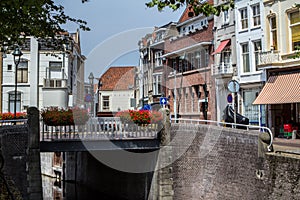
[225,17]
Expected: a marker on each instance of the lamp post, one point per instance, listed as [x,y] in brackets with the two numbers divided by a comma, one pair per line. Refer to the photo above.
[17,57]
[91,80]
[98,96]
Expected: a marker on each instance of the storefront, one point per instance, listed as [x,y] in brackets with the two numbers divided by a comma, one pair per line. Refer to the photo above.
[281,95]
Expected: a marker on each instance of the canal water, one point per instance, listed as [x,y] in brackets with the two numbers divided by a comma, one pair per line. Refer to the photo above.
[56,190]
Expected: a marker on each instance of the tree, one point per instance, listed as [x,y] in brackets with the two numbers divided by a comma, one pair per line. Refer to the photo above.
[38,18]
[196,6]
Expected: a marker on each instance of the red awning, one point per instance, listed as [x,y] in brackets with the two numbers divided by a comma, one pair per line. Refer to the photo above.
[221,46]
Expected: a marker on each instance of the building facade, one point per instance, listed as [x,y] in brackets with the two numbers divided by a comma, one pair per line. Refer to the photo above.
[178,61]
[224,68]
[43,73]
[279,61]
[250,20]
[116,90]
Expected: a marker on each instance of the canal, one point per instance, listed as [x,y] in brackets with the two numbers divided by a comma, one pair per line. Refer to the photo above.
[53,189]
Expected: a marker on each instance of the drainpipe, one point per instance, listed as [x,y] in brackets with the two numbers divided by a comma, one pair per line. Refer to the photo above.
[1,67]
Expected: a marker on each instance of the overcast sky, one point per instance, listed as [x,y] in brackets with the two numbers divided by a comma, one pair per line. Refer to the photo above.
[112,23]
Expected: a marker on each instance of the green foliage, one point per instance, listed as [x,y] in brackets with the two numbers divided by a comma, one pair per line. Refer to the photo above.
[194,5]
[297,53]
[38,18]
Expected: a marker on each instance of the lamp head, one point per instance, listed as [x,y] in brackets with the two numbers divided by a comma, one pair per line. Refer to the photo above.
[91,78]
[17,55]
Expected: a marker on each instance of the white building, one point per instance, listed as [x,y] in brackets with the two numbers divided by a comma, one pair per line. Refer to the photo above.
[45,76]
[249,30]
[224,68]
[116,90]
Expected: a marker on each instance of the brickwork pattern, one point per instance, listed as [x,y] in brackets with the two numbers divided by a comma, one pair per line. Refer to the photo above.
[221,163]
[14,142]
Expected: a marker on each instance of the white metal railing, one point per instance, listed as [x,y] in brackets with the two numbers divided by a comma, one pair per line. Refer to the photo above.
[222,68]
[99,128]
[13,122]
[233,125]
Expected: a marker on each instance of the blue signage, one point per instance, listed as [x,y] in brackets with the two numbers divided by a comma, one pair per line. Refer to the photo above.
[163,100]
[229,98]
[88,98]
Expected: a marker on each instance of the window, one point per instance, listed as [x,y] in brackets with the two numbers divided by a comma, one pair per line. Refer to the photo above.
[252,111]
[158,59]
[55,66]
[55,69]
[157,84]
[197,56]
[245,57]
[204,57]
[180,66]
[185,65]
[206,60]
[225,17]
[192,99]
[22,72]
[192,60]
[256,15]
[174,64]
[105,103]
[11,98]
[226,58]
[273,36]
[295,29]
[257,48]
[244,18]
[9,67]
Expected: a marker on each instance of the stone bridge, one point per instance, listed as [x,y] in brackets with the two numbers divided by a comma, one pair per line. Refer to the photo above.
[194,161]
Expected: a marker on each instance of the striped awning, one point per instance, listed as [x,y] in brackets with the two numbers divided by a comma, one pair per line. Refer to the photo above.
[280,89]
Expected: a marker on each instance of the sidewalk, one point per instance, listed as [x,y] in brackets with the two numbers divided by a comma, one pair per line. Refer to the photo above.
[284,145]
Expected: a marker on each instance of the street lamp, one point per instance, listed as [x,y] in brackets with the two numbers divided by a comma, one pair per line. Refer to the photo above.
[98,96]
[91,80]
[17,57]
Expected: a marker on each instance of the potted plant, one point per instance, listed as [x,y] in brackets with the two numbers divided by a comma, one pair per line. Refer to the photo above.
[54,116]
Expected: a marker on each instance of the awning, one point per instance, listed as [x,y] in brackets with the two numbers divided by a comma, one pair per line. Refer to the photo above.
[221,47]
[280,89]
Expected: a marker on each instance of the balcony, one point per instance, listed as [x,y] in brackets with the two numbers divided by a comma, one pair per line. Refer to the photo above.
[55,83]
[223,70]
[56,88]
[275,59]
[268,58]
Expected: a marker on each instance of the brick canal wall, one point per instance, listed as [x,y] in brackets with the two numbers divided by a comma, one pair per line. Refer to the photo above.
[222,163]
[201,162]
[19,147]
[13,143]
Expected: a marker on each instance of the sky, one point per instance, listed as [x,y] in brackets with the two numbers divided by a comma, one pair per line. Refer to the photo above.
[116,27]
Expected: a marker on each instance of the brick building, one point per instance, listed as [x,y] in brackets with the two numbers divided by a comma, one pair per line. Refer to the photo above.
[179,53]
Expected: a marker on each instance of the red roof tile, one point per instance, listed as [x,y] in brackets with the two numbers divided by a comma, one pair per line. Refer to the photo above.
[118,78]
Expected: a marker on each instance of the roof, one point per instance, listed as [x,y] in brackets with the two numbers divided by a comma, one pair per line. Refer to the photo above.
[118,78]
